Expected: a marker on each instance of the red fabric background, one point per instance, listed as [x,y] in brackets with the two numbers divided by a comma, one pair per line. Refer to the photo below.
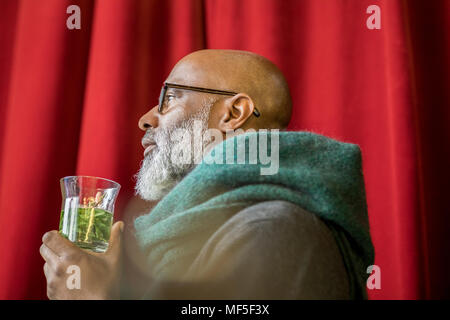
[70,101]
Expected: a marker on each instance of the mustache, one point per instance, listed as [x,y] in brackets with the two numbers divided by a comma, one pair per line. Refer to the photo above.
[149,135]
[149,138]
[158,138]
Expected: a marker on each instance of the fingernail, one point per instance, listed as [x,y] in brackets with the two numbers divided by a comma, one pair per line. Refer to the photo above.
[121,227]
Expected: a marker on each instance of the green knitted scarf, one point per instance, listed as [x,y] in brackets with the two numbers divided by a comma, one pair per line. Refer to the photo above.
[319,174]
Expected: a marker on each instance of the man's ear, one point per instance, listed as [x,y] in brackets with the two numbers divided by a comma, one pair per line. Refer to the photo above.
[235,112]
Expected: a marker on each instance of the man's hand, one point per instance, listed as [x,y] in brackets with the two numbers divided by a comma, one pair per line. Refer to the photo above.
[99,272]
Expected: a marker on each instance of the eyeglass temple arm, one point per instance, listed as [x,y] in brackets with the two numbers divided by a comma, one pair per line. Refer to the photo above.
[205,90]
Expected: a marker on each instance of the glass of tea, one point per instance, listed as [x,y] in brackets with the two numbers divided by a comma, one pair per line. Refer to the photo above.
[87,211]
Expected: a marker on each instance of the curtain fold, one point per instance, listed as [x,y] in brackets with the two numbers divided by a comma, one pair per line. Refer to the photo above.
[70,101]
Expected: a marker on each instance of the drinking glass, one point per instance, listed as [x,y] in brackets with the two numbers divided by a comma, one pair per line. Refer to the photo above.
[87,211]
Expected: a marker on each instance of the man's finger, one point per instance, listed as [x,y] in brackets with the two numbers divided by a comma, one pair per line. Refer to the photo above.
[47,254]
[46,270]
[115,240]
[57,243]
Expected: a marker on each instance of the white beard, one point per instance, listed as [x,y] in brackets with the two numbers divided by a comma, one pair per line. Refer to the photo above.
[158,174]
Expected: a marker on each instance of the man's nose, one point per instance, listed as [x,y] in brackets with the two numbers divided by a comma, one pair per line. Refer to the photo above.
[149,120]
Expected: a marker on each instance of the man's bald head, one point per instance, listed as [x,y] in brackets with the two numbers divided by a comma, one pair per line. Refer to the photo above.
[242,72]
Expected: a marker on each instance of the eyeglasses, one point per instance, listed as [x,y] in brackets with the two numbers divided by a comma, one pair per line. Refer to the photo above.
[166,86]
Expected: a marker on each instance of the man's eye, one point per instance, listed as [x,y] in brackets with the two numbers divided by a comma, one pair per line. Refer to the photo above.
[170,97]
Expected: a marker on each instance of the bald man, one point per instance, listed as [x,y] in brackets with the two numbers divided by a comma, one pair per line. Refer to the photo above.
[268,250]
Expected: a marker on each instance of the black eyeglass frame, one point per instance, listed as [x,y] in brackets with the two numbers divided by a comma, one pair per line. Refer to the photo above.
[166,86]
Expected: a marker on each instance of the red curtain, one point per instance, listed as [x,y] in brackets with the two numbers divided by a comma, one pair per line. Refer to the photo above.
[70,101]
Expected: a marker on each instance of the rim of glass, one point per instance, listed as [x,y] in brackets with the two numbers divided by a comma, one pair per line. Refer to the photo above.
[92,177]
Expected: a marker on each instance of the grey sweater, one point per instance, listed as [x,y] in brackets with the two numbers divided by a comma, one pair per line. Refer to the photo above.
[271,250]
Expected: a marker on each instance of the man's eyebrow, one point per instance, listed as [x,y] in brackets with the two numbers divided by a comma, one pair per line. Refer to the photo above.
[174,90]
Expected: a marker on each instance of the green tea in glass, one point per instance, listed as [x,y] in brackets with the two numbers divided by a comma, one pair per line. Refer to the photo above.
[87,211]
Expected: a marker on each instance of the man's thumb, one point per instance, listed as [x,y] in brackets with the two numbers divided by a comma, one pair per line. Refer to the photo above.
[115,239]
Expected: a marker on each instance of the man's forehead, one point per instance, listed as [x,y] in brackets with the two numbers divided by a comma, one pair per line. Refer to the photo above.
[198,75]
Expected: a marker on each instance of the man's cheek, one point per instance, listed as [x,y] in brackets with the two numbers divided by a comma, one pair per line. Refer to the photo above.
[175,117]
